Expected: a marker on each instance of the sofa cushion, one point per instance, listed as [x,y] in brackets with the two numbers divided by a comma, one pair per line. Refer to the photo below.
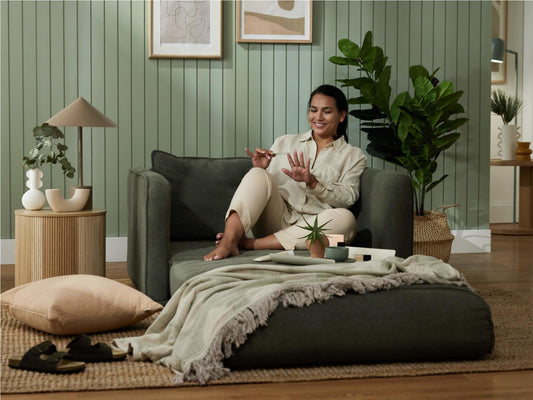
[408,323]
[201,190]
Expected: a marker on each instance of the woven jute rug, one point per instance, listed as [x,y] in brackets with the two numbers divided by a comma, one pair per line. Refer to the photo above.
[512,317]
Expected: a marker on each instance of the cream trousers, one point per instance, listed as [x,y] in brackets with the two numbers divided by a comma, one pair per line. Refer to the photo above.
[263,211]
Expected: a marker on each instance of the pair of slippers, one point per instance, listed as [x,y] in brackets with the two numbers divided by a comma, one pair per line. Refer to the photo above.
[44,357]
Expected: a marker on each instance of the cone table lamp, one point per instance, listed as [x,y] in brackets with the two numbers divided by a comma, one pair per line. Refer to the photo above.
[81,113]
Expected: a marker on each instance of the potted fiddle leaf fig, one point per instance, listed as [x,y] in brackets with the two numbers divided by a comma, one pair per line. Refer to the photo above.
[48,150]
[414,128]
[316,240]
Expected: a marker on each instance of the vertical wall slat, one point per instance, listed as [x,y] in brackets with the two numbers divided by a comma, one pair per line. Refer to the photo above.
[111,152]
[191,94]
[267,95]
[5,137]
[97,90]
[29,78]
[178,105]
[435,13]
[164,103]
[354,34]
[57,87]
[461,146]
[204,113]
[242,93]
[138,55]
[292,88]
[254,97]
[17,146]
[280,89]
[392,25]
[124,110]
[230,113]
[450,73]
[71,84]
[84,80]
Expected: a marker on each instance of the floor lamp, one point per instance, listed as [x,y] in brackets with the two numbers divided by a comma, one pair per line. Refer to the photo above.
[498,53]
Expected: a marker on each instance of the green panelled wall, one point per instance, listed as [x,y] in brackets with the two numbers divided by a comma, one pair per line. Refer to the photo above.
[55,51]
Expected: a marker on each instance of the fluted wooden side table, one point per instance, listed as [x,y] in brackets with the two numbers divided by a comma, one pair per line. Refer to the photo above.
[50,244]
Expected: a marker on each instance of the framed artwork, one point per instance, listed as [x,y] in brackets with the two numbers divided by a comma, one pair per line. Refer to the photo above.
[185,29]
[499,30]
[274,21]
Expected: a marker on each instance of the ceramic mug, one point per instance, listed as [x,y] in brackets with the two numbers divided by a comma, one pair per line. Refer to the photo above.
[338,254]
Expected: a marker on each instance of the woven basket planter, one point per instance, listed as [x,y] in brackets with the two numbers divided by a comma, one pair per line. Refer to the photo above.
[432,235]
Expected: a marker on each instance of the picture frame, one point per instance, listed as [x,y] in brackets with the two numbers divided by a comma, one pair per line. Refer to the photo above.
[185,29]
[499,30]
[270,21]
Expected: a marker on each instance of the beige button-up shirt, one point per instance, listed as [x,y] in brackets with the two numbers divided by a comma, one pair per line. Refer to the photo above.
[337,168]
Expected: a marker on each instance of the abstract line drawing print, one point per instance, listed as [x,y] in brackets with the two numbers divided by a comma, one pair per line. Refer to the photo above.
[185,22]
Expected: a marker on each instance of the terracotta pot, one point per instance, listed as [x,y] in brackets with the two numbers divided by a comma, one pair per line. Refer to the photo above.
[317,249]
[523,152]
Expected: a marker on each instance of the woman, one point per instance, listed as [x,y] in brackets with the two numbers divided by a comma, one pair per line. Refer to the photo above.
[318,177]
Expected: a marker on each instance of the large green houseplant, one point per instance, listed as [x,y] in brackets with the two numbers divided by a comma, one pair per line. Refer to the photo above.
[413,129]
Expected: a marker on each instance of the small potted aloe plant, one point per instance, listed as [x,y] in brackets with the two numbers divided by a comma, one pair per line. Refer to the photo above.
[316,240]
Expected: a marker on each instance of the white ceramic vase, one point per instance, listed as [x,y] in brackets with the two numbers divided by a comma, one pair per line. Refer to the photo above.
[507,145]
[33,199]
[60,204]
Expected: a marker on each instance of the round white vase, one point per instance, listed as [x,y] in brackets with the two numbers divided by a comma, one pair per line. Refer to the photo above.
[508,141]
[34,199]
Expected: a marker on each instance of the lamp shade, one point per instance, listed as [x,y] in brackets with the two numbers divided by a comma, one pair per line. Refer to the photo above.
[498,50]
[80,113]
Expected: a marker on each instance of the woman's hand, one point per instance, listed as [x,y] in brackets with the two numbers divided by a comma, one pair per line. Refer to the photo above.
[300,170]
[261,157]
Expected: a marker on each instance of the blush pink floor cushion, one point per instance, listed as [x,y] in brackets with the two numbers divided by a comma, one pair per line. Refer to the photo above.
[74,304]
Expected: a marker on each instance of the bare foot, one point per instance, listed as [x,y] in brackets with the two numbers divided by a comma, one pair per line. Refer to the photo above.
[244,244]
[222,251]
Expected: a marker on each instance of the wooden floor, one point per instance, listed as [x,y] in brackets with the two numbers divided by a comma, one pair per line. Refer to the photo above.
[509,266]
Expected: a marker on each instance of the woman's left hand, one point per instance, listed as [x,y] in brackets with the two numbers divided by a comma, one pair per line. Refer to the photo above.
[300,169]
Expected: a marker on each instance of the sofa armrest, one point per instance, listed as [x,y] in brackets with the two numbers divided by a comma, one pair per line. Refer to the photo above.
[384,211]
[149,232]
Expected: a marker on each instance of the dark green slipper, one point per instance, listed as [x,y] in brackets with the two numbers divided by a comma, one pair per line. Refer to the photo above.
[81,349]
[44,357]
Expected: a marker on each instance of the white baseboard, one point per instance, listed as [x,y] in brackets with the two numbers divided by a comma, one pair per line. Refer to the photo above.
[471,241]
[466,241]
[115,250]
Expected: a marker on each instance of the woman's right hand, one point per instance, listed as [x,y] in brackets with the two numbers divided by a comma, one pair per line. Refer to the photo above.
[261,157]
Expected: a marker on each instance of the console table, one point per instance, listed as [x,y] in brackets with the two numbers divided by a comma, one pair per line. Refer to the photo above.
[525,212]
[49,243]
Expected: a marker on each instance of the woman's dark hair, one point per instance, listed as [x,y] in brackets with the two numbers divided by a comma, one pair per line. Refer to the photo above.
[340,102]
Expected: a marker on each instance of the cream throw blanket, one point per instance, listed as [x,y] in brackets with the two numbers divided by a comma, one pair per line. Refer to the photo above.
[216,310]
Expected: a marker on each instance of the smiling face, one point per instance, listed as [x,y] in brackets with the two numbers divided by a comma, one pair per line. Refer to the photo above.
[324,116]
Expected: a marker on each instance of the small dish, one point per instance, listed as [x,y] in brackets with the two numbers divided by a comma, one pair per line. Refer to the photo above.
[338,254]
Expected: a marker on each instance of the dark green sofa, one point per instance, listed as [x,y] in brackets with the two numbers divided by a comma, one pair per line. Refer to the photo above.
[176,208]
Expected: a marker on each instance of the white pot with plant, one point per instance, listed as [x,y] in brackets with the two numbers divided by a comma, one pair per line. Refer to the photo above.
[45,151]
[507,107]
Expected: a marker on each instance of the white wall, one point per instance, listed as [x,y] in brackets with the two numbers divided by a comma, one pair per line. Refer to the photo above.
[528,76]
[501,178]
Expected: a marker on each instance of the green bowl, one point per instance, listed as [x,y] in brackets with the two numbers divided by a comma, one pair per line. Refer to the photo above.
[337,253]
